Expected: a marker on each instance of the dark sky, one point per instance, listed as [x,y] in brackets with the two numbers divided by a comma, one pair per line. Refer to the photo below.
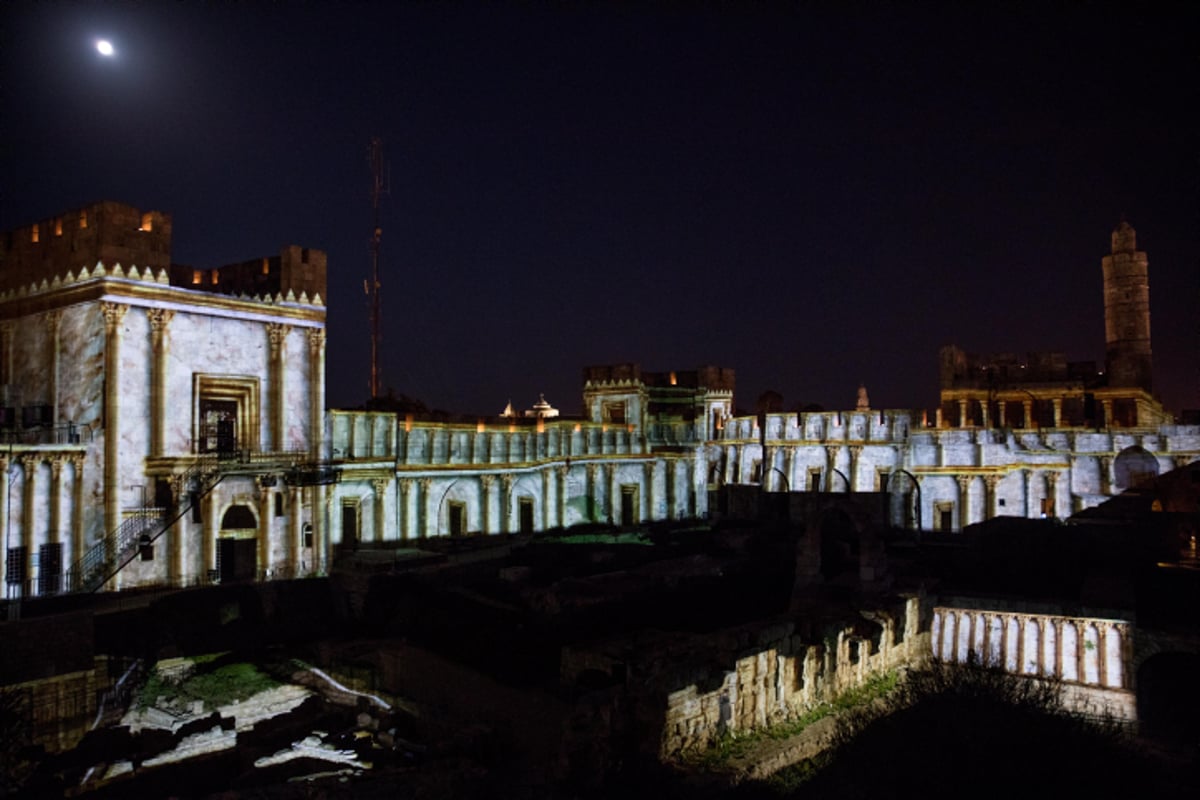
[815,195]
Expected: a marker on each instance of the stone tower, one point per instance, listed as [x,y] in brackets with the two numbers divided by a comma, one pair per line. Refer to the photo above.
[1127,311]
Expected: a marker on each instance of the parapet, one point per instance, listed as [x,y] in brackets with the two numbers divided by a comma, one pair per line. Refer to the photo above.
[108,232]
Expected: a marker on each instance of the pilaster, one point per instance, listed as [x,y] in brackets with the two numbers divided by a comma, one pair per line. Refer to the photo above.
[486,483]
[159,319]
[114,317]
[964,500]
[316,390]
[380,486]
[277,334]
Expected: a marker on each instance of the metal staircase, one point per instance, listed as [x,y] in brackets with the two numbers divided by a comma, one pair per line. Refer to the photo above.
[110,555]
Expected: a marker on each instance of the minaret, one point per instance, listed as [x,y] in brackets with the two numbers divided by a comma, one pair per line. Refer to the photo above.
[1127,311]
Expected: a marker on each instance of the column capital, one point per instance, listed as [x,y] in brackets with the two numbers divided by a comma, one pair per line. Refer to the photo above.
[507,480]
[56,465]
[425,483]
[1051,478]
[276,333]
[831,451]
[53,317]
[114,315]
[405,485]
[563,470]
[264,485]
[964,481]
[855,451]
[379,485]
[30,463]
[487,481]
[316,340]
[991,482]
[160,318]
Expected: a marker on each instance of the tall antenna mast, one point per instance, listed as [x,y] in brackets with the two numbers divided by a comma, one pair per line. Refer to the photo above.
[378,189]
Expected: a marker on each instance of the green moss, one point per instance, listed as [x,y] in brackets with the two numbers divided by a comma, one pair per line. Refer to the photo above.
[730,747]
[214,683]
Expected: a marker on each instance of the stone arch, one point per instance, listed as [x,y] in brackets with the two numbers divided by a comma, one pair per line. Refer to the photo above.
[527,487]
[1133,466]
[239,517]
[460,490]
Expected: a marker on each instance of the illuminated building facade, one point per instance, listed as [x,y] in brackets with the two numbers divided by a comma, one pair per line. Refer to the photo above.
[136,392]
[163,424]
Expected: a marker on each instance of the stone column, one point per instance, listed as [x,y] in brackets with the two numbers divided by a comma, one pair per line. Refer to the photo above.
[990,482]
[486,482]
[962,413]
[1106,474]
[590,490]
[78,535]
[1052,492]
[380,486]
[564,472]
[1057,404]
[208,535]
[648,502]
[1027,406]
[506,487]
[316,390]
[29,465]
[427,526]
[547,479]
[53,325]
[614,494]
[295,530]
[1001,416]
[1027,482]
[114,317]
[855,452]
[984,412]
[264,529]
[672,478]
[159,319]
[831,451]
[1106,405]
[964,500]
[405,511]
[276,375]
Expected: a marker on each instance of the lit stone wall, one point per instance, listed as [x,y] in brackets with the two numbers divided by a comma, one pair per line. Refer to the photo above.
[783,679]
[970,474]
[1090,658]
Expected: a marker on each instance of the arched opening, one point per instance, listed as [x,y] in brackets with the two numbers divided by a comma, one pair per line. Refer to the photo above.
[1132,468]
[237,545]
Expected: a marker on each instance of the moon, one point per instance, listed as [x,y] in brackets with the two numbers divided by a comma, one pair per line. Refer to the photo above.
[104,47]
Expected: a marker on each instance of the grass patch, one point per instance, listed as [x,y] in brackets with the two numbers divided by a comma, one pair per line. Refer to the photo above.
[731,747]
[604,538]
[214,683]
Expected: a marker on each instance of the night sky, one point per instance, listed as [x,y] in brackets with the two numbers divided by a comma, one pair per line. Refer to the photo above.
[815,195]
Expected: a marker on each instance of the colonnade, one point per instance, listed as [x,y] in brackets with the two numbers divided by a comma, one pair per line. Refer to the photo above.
[1073,649]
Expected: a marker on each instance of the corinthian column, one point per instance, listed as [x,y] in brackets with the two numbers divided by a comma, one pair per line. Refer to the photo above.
[277,338]
[114,316]
[159,319]
[380,486]
[316,390]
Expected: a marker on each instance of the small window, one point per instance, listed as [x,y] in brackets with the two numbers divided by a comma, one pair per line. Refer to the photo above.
[33,234]
[147,223]
[196,277]
[82,219]
[266,267]
[216,276]
[308,535]
[58,227]
[279,504]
